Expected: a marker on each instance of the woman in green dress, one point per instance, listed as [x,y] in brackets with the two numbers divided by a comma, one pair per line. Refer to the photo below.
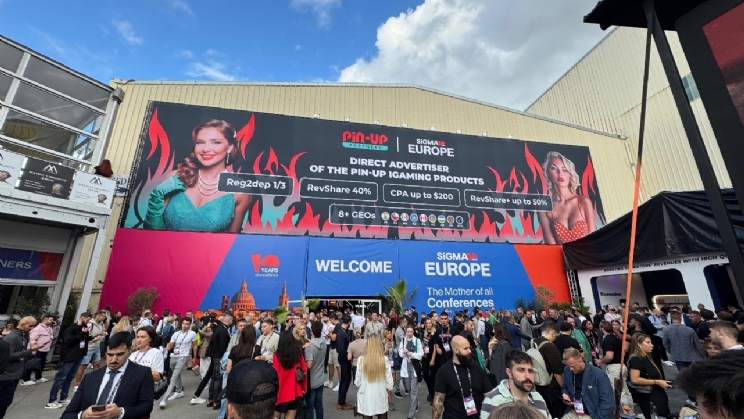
[189,200]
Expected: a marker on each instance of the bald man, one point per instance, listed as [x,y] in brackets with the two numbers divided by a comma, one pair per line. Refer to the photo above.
[461,384]
[17,342]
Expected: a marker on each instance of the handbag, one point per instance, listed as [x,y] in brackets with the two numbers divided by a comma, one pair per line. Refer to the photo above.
[299,374]
[638,389]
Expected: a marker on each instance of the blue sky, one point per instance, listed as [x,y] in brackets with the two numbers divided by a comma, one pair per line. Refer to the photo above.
[499,51]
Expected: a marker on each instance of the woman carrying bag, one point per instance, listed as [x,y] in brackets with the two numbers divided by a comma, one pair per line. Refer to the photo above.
[292,370]
[645,379]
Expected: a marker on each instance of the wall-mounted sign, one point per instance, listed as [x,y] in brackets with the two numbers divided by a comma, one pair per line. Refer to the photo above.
[29,264]
[93,189]
[122,185]
[10,168]
[45,178]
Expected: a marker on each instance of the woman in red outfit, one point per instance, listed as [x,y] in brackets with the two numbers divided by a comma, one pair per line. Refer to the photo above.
[573,214]
[287,359]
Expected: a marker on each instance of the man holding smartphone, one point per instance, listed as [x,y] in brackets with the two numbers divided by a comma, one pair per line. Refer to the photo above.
[122,390]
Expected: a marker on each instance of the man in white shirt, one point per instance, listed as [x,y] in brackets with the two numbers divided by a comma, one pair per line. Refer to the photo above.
[183,344]
[724,334]
[357,320]
[161,322]
[268,341]
[146,319]
[411,350]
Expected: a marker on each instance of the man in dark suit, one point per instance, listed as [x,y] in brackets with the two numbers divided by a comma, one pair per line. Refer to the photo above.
[124,388]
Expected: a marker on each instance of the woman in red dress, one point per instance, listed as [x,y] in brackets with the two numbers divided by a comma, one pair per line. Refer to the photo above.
[287,360]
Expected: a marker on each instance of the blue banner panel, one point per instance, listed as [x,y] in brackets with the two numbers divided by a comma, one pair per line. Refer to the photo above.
[29,264]
[338,267]
[259,273]
[456,276]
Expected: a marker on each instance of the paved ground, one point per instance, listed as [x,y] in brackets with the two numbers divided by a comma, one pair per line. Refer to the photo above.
[30,400]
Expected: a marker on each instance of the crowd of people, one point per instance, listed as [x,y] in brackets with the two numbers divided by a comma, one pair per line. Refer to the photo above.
[553,364]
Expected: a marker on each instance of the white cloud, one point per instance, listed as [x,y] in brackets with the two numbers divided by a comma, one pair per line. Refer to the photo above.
[210,69]
[501,51]
[181,5]
[183,53]
[298,47]
[320,8]
[126,31]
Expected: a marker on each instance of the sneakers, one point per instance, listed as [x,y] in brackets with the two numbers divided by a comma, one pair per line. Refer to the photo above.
[336,388]
[176,395]
[398,395]
[197,400]
[53,405]
[328,384]
[668,363]
[163,404]
[64,402]
[42,380]
[391,407]
[28,383]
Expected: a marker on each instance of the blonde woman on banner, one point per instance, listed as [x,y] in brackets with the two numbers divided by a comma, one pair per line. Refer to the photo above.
[572,216]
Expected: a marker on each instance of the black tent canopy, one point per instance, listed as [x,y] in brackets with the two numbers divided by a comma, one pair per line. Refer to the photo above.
[671,224]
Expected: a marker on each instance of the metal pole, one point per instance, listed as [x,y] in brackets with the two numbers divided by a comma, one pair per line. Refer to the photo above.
[700,153]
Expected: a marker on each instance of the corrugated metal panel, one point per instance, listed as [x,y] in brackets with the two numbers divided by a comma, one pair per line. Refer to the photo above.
[603,92]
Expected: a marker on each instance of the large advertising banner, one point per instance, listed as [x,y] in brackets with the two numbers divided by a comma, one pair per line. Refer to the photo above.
[351,267]
[248,273]
[220,170]
[456,276]
[197,271]
[446,275]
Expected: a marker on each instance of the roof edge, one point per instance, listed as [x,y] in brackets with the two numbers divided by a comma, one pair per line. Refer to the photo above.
[121,82]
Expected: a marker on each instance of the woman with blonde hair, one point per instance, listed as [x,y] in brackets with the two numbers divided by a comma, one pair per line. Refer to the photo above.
[572,216]
[122,326]
[300,335]
[645,379]
[374,378]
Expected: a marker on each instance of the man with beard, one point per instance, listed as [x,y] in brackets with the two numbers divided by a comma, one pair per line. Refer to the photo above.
[460,386]
[586,389]
[519,387]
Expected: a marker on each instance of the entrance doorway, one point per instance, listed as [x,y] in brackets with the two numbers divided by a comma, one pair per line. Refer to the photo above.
[351,303]
[11,295]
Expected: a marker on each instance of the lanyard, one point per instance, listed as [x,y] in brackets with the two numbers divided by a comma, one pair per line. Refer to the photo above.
[470,383]
[138,359]
[182,340]
[113,390]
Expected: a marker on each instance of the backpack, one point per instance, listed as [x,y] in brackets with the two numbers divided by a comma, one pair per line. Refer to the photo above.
[542,376]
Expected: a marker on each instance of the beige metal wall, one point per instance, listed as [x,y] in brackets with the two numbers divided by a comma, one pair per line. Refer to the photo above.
[603,91]
[390,105]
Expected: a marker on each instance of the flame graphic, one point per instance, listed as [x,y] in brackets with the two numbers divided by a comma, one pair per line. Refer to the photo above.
[289,215]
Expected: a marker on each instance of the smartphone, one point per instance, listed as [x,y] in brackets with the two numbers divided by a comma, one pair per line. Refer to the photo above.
[98,408]
[673,383]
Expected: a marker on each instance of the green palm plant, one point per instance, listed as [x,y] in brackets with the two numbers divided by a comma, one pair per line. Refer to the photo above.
[398,295]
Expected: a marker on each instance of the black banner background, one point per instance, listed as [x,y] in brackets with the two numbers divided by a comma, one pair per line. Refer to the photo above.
[298,147]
